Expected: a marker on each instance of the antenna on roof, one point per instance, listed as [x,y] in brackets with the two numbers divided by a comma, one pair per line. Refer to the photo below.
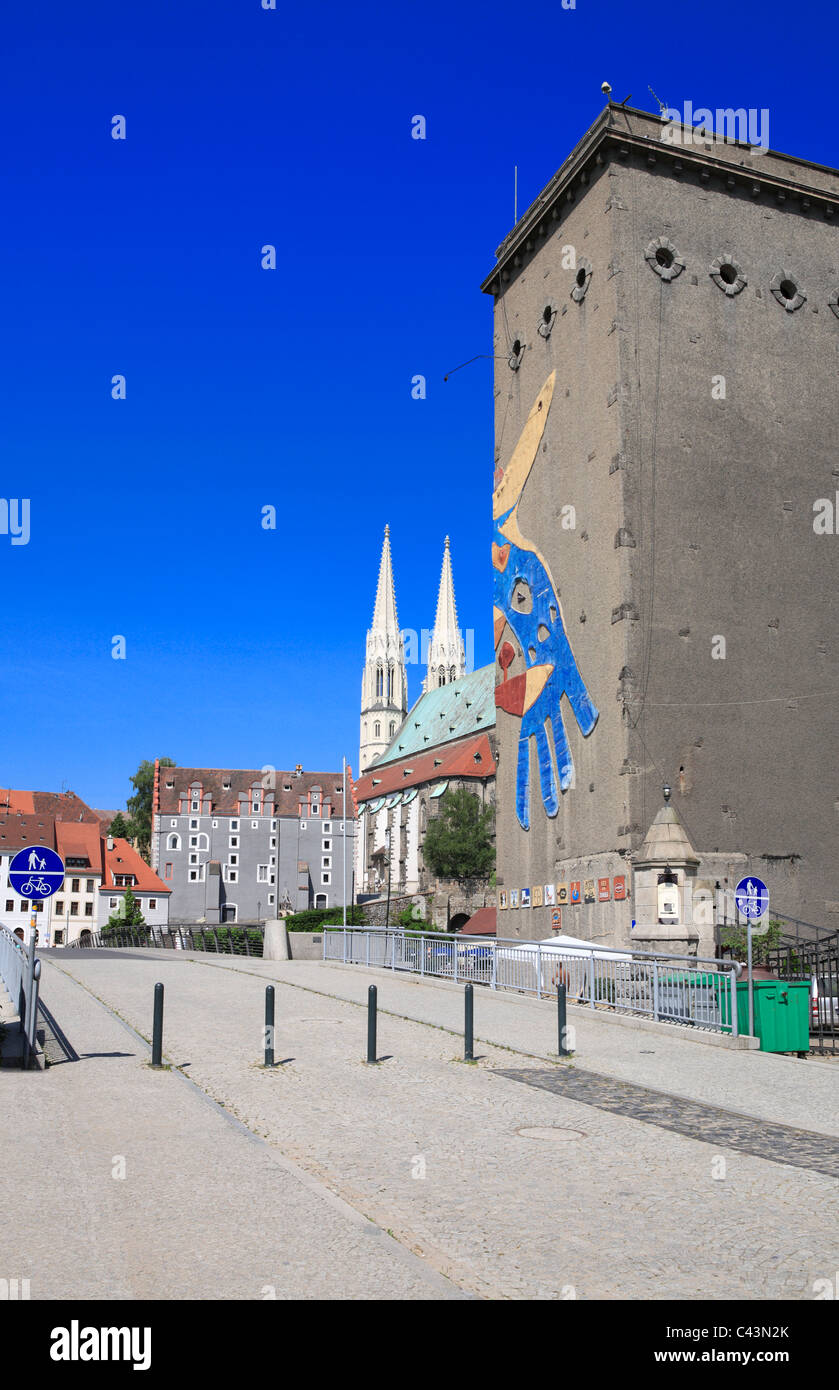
[662,105]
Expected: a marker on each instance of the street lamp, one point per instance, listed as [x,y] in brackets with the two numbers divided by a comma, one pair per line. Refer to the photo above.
[667,792]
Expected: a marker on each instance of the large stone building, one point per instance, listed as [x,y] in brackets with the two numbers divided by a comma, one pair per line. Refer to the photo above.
[445,741]
[237,845]
[666,345]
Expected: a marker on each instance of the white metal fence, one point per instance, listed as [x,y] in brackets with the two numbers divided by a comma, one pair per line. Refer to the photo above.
[673,989]
[20,972]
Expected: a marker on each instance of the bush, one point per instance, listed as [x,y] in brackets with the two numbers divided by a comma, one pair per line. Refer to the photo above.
[314,918]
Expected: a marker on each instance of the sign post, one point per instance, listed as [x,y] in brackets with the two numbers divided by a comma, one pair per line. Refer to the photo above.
[35,874]
[752,898]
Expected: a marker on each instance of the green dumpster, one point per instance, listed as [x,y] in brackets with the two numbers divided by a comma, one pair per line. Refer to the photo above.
[782,1014]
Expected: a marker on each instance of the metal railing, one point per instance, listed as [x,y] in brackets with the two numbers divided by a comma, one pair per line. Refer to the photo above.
[687,990]
[20,971]
[227,938]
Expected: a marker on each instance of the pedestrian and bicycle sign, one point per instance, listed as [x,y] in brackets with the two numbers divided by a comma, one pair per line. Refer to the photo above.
[752,897]
[36,873]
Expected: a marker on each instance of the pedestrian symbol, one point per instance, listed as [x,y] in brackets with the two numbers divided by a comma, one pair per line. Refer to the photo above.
[36,873]
[752,898]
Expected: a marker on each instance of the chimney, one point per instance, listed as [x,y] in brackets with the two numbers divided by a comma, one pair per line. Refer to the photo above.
[110,842]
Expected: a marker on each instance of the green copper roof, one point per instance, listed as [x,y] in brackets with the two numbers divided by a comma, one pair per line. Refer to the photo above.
[440,716]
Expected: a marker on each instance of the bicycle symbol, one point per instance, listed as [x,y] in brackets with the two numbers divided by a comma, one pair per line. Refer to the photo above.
[35,885]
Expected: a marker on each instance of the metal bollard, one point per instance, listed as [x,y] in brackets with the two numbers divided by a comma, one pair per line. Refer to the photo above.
[371,1024]
[560,1020]
[269,1025]
[469,1030]
[157,1029]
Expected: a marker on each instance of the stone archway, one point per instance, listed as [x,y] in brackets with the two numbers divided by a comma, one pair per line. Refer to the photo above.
[458,921]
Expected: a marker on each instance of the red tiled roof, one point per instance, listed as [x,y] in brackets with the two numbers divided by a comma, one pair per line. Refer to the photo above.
[122,859]
[225,800]
[16,831]
[481,923]
[79,840]
[470,757]
[63,806]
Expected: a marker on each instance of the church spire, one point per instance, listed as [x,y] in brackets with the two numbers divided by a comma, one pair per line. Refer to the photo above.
[384,684]
[446,656]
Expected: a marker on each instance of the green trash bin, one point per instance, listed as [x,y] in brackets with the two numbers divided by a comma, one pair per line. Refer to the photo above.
[782,1014]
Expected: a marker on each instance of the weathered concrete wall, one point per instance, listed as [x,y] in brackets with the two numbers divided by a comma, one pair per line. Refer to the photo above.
[694,519]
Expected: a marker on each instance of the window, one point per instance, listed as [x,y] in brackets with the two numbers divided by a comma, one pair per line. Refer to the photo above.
[380,681]
[193,841]
[75,885]
[174,842]
[302,825]
[193,858]
[88,909]
[89,885]
[195,875]
[215,825]
[377,729]
[74,909]
[233,842]
[273,844]
[262,873]
[270,897]
[167,872]
[327,844]
[392,728]
[24,903]
[326,861]
[326,878]
[193,825]
[255,823]
[327,827]
[273,825]
[152,904]
[59,906]
[321,900]
[196,805]
[173,823]
[232,875]
[234,825]
[113,902]
[233,859]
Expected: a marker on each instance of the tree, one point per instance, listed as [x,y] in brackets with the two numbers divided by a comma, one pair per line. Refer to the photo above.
[458,843]
[139,805]
[128,914]
[119,827]
[734,939]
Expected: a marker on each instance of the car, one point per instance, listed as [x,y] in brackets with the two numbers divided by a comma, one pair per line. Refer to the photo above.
[824,1004]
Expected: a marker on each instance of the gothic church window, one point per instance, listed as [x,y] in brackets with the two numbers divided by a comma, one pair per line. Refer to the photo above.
[380,681]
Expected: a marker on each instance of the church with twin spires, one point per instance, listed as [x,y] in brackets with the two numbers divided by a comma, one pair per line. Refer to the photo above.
[409,758]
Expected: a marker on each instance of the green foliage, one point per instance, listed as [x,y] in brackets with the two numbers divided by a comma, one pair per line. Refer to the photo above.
[128,915]
[119,827]
[734,939]
[313,918]
[231,940]
[458,842]
[139,805]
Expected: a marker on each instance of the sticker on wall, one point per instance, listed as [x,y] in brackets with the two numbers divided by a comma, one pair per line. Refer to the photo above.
[575,892]
[588,890]
[619,890]
[525,897]
[514,897]
[562,893]
[550,894]
[603,890]
[533,696]
[502,898]
[537,895]
[556,918]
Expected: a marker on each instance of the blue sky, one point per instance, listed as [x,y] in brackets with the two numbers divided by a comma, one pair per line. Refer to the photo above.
[292,387]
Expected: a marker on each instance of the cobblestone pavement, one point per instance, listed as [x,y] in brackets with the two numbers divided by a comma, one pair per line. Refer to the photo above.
[509,1190]
[798,1147]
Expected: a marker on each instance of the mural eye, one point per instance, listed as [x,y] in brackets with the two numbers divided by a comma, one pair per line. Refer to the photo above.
[543,633]
[522,596]
[531,652]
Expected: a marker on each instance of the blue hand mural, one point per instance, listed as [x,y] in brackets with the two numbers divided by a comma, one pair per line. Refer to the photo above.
[526,599]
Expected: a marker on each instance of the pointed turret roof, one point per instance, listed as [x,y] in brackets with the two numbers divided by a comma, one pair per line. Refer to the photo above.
[385,620]
[446,647]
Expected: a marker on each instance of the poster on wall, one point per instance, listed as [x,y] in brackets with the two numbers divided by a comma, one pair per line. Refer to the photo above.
[619,889]
[556,919]
[537,895]
[588,890]
[550,895]
[575,891]
[525,897]
[603,890]
[514,897]
[562,893]
[502,898]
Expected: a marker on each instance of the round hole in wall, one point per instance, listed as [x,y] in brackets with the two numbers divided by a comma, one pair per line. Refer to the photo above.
[788,289]
[547,314]
[728,273]
[664,257]
[581,277]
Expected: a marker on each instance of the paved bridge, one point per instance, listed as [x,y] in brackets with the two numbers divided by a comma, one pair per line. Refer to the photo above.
[649,1167]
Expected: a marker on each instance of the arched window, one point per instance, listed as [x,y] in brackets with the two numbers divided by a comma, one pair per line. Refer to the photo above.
[392,728]
[174,842]
[202,841]
[452,675]
[380,681]
[390,681]
[377,730]
[441,676]
[321,900]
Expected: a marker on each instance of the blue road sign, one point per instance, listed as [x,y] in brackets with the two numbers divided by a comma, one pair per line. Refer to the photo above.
[36,873]
[752,897]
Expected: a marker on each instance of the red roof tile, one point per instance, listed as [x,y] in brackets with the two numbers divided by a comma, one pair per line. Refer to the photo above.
[122,859]
[470,757]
